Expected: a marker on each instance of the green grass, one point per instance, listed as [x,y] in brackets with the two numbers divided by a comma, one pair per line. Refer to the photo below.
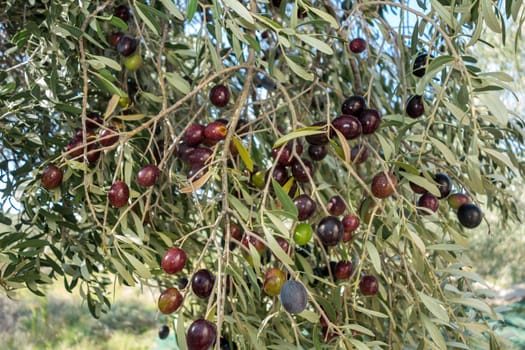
[60,321]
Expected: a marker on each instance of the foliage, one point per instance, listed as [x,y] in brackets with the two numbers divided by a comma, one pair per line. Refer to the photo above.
[286,66]
[498,257]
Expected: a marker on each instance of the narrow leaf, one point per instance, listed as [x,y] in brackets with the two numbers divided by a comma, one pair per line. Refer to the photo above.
[240,9]
[241,209]
[107,62]
[130,117]
[369,312]
[325,16]
[418,242]
[476,304]
[195,185]
[447,153]
[191,9]
[170,6]
[434,306]
[286,202]
[112,105]
[300,71]
[423,182]
[178,82]
[490,17]
[275,247]
[374,256]
[316,43]
[243,153]
[434,332]
[302,132]
[148,17]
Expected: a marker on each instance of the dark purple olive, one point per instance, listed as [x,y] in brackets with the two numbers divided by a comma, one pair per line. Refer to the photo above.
[347,125]
[122,12]
[420,64]
[415,107]
[318,139]
[302,172]
[127,45]
[317,152]
[359,154]
[370,120]
[353,105]
[199,156]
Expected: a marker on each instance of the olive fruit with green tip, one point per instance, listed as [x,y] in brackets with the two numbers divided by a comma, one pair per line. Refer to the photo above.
[456,200]
[169,301]
[293,297]
[273,281]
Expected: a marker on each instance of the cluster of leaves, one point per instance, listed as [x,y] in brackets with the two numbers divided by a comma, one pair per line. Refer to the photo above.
[59,67]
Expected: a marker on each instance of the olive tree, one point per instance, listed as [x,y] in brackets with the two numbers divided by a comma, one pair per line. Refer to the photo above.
[145,141]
